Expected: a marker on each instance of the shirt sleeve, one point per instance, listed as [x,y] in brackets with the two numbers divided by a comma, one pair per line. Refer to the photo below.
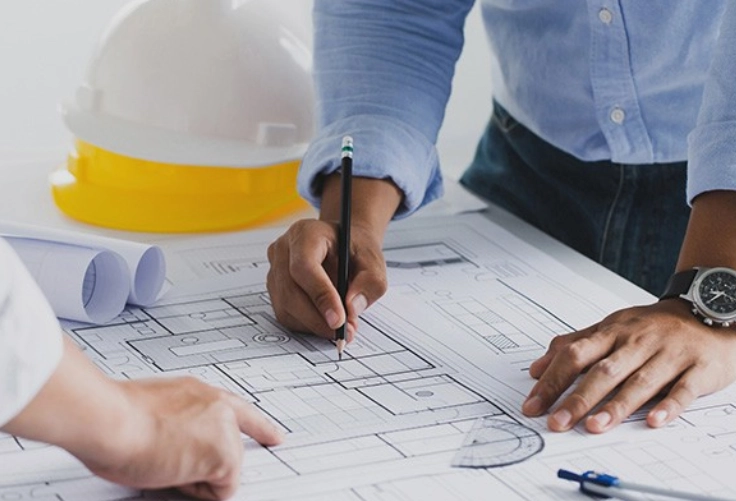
[30,336]
[383,71]
[712,144]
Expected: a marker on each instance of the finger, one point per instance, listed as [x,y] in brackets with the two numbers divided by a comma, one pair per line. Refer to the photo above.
[540,365]
[300,314]
[602,378]
[682,394]
[640,387]
[568,362]
[293,309]
[305,267]
[254,423]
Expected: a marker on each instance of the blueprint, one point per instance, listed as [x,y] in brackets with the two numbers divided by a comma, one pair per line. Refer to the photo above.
[425,402]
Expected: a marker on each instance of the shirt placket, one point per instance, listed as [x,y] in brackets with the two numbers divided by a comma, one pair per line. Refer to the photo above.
[614,90]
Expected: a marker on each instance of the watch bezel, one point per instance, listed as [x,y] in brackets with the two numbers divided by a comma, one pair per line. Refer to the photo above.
[697,300]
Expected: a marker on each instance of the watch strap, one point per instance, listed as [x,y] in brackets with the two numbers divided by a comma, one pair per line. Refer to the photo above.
[679,284]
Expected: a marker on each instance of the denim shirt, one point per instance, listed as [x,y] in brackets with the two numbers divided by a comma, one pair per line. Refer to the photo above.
[619,80]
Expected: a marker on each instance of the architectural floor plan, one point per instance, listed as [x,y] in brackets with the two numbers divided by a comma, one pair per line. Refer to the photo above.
[423,405]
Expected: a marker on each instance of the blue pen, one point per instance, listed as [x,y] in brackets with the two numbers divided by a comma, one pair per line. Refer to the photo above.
[602,485]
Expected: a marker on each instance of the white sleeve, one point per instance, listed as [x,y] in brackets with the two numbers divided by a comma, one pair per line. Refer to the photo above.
[30,336]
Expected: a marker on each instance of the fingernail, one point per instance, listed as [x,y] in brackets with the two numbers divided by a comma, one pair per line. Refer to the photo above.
[562,418]
[360,303]
[332,319]
[660,417]
[533,405]
[602,419]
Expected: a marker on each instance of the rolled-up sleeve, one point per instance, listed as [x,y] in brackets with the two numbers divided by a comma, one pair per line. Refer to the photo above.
[383,71]
[30,336]
[712,144]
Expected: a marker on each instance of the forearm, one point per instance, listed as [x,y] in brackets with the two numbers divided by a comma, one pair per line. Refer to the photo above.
[710,239]
[383,72]
[374,202]
[78,409]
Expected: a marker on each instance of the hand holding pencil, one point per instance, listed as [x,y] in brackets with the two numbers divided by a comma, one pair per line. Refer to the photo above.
[302,280]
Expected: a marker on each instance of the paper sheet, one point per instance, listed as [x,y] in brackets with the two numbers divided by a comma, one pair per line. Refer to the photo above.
[436,377]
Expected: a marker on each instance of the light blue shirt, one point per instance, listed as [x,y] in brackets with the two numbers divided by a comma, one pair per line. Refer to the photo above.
[600,79]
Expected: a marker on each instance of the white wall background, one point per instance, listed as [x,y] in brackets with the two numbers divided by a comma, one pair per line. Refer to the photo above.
[45,45]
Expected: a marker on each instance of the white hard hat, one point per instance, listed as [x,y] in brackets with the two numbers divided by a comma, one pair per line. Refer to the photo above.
[190,84]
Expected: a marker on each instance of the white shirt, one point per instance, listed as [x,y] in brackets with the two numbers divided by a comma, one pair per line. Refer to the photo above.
[30,336]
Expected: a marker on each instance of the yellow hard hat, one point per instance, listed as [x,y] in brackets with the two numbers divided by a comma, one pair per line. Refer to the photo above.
[193,116]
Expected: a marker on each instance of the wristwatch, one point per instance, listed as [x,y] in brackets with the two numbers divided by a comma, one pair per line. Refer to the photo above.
[712,292]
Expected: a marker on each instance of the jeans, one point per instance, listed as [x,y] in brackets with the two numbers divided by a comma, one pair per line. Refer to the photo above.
[629,218]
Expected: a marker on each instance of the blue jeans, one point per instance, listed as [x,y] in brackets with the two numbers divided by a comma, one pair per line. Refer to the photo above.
[629,218]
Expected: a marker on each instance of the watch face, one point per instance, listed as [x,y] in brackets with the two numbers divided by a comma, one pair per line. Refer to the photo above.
[716,292]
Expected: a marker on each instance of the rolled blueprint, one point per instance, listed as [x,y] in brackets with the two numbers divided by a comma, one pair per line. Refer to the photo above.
[146,263]
[80,283]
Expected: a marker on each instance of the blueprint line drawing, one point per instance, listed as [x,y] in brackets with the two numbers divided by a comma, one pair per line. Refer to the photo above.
[425,402]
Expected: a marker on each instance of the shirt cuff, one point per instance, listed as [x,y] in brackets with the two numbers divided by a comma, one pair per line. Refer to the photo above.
[30,337]
[711,159]
[384,148]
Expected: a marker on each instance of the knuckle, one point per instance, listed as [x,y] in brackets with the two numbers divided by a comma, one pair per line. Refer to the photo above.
[684,391]
[299,227]
[578,403]
[322,298]
[271,251]
[574,353]
[641,379]
[222,469]
[271,281]
[547,390]
[380,284]
[617,409]
[606,368]
[606,329]
[557,343]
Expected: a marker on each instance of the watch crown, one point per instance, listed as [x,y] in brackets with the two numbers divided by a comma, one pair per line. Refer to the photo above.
[726,324]
[707,321]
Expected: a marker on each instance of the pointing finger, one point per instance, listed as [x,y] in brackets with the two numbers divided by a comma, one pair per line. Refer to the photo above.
[253,423]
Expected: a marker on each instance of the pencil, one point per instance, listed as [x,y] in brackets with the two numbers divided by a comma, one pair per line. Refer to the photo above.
[343,246]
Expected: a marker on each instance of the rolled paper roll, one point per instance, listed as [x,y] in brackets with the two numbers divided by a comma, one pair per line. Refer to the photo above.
[81,283]
[146,263]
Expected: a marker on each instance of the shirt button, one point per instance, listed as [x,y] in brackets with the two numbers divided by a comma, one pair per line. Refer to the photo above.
[605,16]
[617,116]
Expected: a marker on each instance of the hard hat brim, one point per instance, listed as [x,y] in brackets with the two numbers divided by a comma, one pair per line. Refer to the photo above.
[159,145]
